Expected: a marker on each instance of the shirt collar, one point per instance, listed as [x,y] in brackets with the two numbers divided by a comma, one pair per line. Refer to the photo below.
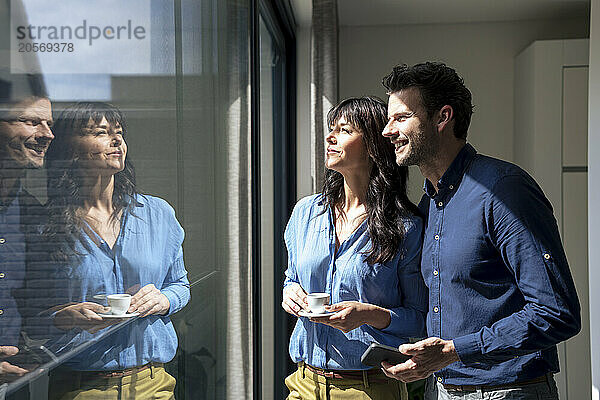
[453,174]
[13,197]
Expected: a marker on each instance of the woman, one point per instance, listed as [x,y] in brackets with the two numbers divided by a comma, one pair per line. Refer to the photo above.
[360,242]
[110,239]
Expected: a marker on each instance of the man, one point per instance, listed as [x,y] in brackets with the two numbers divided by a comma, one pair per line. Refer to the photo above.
[25,135]
[501,295]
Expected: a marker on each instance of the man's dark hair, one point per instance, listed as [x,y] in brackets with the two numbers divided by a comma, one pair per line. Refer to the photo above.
[439,85]
[31,88]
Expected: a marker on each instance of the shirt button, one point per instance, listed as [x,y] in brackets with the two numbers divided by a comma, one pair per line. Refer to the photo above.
[451,187]
[2,240]
[435,272]
[437,237]
[1,312]
[440,204]
[436,309]
[547,256]
[439,379]
[2,275]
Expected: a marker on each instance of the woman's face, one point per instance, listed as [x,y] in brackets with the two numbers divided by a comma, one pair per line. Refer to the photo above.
[101,148]
[346,151]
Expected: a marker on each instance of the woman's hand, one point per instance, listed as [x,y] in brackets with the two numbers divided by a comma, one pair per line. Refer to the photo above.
[350,315]
[149,300]
[7,368]
[294,299]
[84,316]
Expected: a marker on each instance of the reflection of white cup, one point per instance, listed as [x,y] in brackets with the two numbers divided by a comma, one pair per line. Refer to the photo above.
[317,302]
[118,303]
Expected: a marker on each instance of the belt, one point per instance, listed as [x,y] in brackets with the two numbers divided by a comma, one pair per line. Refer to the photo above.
[117,374]
[373,375]
[474,388]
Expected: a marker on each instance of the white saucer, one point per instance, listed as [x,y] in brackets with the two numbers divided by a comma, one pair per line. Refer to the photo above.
[121,316]
[309,314]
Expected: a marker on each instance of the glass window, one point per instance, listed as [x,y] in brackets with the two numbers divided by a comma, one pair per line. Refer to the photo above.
[126,197]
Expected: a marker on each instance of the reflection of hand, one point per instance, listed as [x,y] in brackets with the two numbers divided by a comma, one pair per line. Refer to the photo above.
[294,299]
[149,300]
[350,315]
[6,367]
[84,316]
[428,356]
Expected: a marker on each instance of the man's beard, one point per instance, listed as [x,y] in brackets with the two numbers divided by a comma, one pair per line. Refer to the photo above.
[421,151]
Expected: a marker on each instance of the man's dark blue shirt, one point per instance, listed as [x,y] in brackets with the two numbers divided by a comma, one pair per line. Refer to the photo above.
[20,297]
[12,270]
[499,282]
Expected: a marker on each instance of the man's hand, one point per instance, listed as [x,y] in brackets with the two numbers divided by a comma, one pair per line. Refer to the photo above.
[149,300]
[6,367]
[350,315]
[294,299]
[428,356]
[84,316]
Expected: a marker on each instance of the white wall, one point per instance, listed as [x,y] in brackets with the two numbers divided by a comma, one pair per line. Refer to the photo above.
[594,193]
[551,134]
[482,53]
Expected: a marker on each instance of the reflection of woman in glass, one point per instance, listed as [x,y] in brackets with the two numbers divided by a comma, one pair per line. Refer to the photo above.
[110,239]
[360,242]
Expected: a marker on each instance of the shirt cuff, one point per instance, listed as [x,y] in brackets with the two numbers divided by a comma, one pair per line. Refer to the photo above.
[176,303]
[468,348]
[395,323]
[288,281]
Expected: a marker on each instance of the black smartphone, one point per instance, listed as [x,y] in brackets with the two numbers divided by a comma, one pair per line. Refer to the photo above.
[376,353]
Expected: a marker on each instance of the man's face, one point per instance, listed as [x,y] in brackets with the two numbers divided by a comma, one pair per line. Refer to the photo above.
[26,133]
[409,128]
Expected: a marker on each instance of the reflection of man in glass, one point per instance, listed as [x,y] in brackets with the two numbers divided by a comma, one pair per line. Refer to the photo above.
[25,134]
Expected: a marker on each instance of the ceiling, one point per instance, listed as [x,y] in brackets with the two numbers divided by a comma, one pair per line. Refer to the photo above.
[401,12]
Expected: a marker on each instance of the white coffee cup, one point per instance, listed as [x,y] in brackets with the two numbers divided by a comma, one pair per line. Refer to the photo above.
[317,302]
[118,303]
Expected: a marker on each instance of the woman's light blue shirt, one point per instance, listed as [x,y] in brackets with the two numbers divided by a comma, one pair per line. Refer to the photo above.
[148,250]
[396,285]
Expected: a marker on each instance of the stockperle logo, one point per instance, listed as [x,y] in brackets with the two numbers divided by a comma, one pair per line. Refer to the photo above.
[85,31]
[82,37]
